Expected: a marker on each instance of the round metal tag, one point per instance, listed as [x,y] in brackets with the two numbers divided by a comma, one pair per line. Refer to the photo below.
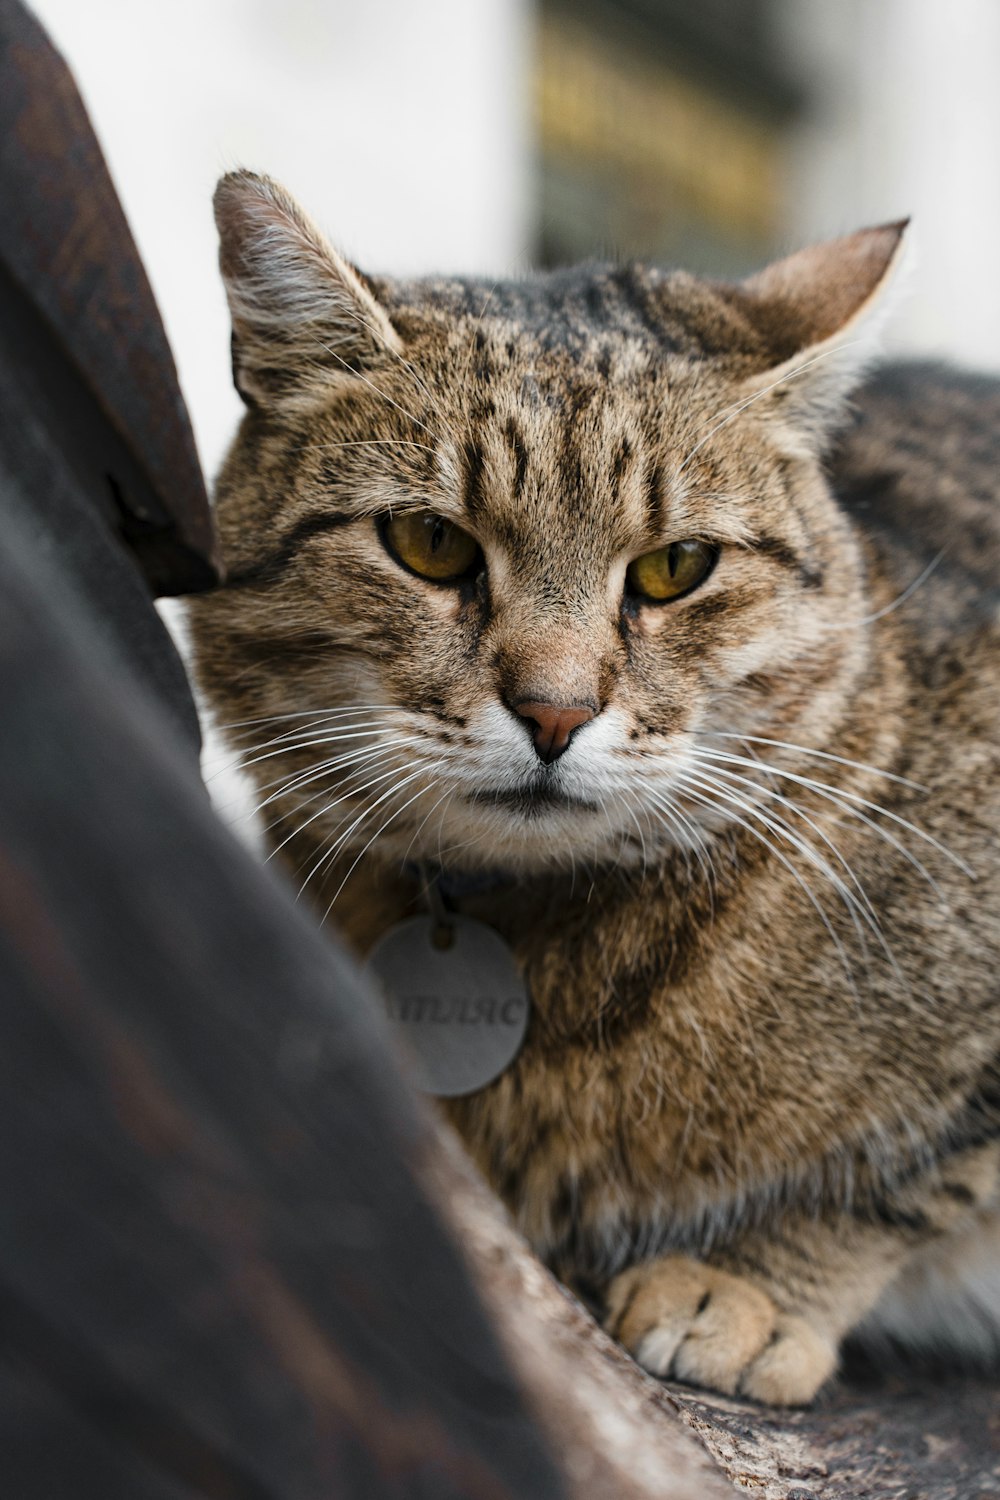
[460,1010]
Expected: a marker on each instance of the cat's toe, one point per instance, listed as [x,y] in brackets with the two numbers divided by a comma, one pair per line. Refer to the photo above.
[791,1369]
[692,1322]
[680,1318]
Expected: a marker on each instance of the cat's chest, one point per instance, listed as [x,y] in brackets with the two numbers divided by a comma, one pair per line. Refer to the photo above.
[638,1093]
[668,1074]
[672,1066]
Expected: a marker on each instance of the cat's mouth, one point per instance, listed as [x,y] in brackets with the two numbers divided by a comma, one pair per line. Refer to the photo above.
[532,799]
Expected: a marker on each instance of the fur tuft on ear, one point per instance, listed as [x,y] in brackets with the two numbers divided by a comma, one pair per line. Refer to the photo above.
[820,314]
[303,318]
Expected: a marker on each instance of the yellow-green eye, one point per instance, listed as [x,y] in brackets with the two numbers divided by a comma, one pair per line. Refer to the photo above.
[671,571]
[429,545]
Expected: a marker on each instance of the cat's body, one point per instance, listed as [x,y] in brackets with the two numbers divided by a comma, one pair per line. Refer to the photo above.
[760,1084]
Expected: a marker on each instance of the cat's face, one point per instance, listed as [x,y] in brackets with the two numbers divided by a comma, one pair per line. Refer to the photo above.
[522,557]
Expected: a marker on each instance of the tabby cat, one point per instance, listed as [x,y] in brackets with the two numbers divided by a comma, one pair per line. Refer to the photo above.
[593,592]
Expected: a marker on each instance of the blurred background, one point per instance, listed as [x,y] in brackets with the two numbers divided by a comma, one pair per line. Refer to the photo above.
[493,135]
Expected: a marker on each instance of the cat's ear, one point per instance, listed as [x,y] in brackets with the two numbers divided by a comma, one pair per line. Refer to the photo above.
[820,314]
[303,318]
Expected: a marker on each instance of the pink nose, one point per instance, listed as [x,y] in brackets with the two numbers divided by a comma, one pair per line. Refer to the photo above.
[554,724]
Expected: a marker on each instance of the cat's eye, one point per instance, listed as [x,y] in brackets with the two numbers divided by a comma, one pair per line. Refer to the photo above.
[430,546]
[672,571]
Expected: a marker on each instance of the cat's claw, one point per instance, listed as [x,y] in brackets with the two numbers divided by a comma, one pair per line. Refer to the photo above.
[692,1322]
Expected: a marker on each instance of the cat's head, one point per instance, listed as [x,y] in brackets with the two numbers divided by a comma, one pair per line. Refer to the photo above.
[508,561]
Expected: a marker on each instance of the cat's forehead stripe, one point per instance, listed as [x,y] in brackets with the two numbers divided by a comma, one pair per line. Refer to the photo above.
[654,483]
[518,447]
[561,311]
[474,489]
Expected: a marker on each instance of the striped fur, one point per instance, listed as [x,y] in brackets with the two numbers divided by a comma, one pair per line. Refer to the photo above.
[756,899]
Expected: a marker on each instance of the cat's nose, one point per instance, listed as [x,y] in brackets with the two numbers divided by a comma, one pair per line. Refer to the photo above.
[554,724]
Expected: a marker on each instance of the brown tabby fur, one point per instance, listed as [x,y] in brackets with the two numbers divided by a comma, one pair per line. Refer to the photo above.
[741,1112]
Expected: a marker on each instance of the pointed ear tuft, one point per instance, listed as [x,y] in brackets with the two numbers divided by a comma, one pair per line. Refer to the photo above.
[303,318]
[820,314]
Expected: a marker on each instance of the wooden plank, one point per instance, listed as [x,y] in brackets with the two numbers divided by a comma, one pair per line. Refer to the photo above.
[99,342]
[207,1162]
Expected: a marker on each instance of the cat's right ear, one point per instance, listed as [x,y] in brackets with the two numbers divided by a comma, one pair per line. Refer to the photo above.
[303,318]
[819,315]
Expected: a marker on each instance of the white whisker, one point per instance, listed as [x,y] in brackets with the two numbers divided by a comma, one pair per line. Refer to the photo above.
[422,824]
[331,853]
[365,443]
[846,799]
[730,413]
[361,765]
[840,760]
[357,375]
[376,835]
[696,787]
[312,742]
[887,609]
[870,915]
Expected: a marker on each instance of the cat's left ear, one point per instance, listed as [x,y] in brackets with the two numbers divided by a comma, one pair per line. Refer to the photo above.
[820,314]
[303,317]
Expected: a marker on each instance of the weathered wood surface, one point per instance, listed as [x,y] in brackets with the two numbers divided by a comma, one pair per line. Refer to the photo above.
[935,1439]
[926,1438]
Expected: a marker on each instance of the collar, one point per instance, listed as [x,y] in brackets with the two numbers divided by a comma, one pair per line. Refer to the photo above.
[456,885]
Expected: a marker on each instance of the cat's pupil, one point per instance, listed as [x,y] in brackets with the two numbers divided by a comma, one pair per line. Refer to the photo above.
[673,557]
[437,535]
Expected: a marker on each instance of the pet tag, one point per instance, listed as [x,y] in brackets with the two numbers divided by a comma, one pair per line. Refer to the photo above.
[461,1010]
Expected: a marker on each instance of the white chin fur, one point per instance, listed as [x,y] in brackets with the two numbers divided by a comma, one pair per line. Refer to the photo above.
[609,822]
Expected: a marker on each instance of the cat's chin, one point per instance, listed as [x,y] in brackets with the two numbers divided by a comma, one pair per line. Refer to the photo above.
[521,834]
[531,803]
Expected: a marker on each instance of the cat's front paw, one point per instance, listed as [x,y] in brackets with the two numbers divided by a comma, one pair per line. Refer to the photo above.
[692,1322]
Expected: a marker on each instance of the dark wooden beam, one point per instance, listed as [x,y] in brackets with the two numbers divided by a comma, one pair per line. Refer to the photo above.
[74,291]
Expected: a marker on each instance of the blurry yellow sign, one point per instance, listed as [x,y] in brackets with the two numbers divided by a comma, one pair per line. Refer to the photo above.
[602,105]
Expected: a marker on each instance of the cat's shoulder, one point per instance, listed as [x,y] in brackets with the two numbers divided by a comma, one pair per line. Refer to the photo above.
[918,470]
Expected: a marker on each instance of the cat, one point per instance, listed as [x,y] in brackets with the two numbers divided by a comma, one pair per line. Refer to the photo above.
[638,609]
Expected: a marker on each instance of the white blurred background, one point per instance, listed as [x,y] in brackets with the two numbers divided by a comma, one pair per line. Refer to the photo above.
[401,127]
[488,135]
